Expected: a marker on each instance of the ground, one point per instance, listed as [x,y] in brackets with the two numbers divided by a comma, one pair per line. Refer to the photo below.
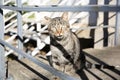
[27,70]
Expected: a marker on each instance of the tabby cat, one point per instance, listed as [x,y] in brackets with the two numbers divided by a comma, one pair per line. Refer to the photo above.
[65,46]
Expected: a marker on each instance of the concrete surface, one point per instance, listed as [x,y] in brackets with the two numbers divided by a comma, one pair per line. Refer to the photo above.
[105,56]
[26,70]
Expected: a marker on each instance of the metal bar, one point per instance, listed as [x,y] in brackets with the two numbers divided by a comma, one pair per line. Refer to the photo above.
[117,28]
[55,8]
[28,32]
[105,22]
[19,29]
[2,52]
[92,27]
[1,22]
[63,76]
[2,63]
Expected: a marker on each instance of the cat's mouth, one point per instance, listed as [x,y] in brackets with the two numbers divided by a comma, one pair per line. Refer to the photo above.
[60,37]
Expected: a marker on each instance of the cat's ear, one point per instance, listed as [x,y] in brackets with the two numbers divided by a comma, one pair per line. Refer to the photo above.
[47,18]
[65,16]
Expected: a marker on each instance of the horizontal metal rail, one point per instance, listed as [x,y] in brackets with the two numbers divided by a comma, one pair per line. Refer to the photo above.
[92,27]
[39,63]
[55,8]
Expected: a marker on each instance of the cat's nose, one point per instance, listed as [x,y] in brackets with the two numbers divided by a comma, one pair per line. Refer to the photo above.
[59,34]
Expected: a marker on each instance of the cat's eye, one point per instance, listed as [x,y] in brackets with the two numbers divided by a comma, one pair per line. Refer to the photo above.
[55,57]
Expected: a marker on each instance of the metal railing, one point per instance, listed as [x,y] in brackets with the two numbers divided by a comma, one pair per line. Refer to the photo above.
[41,64]
[53,8]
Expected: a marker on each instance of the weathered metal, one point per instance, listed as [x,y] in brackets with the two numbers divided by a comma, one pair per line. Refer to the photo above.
[2,57]
[41,64]
[117,28]
[19,29]
[55,8]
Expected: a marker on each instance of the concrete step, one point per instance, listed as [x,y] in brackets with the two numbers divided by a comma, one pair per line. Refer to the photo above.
[27,70]
[106,56]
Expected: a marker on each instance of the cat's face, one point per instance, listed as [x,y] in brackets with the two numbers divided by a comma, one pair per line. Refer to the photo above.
[58,27]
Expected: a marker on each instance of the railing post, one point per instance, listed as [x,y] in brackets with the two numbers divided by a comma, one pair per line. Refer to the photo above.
[105,22]
[117,28]
[19,27]
[93,16]
[2,52]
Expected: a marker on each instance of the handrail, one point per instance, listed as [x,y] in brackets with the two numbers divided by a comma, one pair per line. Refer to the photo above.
[63,76]
[56,8]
